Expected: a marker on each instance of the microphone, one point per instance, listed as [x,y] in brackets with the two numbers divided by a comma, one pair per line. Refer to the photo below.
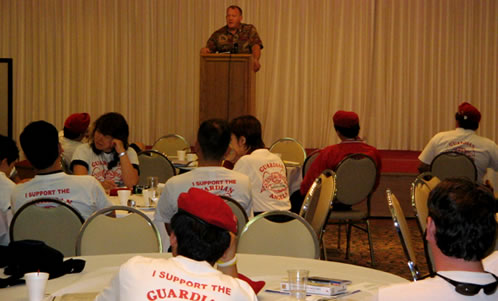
[235,48]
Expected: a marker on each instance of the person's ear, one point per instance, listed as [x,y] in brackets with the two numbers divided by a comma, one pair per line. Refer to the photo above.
[174,243]
[242,140]
[61,150]
[430,231]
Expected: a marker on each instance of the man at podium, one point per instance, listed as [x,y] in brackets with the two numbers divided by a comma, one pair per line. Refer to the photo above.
[235,37]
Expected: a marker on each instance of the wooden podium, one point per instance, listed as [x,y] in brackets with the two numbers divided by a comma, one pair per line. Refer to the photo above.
[227,86]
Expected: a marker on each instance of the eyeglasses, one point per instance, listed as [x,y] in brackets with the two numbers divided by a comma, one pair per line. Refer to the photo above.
[471,289]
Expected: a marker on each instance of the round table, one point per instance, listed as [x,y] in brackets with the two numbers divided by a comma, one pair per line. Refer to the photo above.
[100,269]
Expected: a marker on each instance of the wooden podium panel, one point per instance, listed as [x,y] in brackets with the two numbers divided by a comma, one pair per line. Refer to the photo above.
[227,86]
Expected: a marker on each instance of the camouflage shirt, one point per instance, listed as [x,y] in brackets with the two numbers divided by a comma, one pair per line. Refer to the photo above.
[223,40]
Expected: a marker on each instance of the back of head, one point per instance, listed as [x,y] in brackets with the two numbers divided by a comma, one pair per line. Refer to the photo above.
[213,137]
[114,125]
[464,215]
[250,128]
[347,123]
[468,116]
[8,149]
[40,143]
[76,125]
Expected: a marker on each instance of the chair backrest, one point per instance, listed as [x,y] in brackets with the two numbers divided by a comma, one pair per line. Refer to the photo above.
[403,232]
[420,190]
[51,221]
[290,149]
[171,143]
[309,160]
[133,233]
[239,212]
[154,163]
[291,236]
[318,202]
[453,164]
[355,178]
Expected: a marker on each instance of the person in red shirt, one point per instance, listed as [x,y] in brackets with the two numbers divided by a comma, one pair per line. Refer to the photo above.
[347,127]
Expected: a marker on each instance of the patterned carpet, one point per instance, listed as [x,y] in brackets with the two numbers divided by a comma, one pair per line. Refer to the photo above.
[388,252]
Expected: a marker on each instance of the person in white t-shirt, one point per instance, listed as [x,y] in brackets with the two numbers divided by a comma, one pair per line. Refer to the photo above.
[213,138]
[202,235]
[40,143]
[483,151]
[75,129]
[461,229]
[108,157]
[266,171]
[9,154]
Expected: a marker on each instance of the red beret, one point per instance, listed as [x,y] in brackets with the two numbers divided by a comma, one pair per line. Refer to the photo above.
[346,119]
[209,208]
[469,112]
[77,122]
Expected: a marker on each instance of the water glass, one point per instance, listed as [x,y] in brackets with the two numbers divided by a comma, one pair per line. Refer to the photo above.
[297,283]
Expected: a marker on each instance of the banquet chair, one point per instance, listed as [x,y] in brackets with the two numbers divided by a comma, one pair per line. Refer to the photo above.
[290,149]
[309,160]
[169,144]
[453,164]
[154,163]
[280,233]
[317,204]
[420,190]
[49,220]
[403,231]
[238,211]
[133,233]
[356,175]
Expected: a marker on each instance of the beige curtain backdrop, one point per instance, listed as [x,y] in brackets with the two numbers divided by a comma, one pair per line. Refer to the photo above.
[403,65]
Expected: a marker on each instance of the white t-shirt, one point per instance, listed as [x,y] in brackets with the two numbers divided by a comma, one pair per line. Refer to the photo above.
[97,164]
[215,179]
[266,171]
[6,188]
[177,278]
[83,193]
[69,146]
[438,289]
[482,150]
[490,263]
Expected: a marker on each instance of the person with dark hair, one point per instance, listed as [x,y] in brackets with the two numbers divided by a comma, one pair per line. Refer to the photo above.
[266,171]
[236,37]
[483,151]
[347,128]
[213,138]
[203,233]
[9,154]
[108,157]
[461,229]
[40,143]
[75,130]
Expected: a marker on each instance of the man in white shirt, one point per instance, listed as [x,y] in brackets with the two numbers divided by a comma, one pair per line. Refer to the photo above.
[40,143]
[213,138]
[9,154]
[461,229]
[483,151]
[75,129]
[203,233]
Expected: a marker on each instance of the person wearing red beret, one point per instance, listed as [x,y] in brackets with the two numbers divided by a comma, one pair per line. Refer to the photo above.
[75,130]
[347,127]
[203,234]
[463,139]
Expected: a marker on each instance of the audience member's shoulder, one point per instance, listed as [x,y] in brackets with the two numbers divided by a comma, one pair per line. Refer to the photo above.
[83,148]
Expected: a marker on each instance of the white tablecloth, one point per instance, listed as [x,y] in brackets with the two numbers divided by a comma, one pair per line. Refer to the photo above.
[100,269]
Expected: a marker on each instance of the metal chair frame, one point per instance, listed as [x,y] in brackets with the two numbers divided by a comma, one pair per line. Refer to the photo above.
[238,211]
[434,168]
[155,147]
[309,160]
[143,177]
[288,139]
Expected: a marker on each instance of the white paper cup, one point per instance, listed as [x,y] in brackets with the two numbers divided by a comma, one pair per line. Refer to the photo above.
[124,195]
[191,157]
[146,196]
[181,155]
[297,283]
[36,283]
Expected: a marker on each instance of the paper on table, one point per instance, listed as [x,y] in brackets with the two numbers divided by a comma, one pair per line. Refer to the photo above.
[76,297]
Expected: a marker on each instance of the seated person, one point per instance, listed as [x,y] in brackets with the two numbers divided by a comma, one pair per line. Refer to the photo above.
[75,130]
[213,138]
[266,171]
[347,128]
[9,154]
[463,139]
[108,157]
[202,234]
[40,143]
[461,229]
